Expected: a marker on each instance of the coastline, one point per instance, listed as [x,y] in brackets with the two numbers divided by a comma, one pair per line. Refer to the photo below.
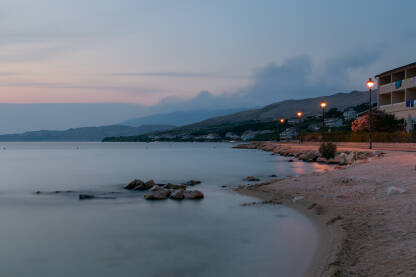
[363,213]
[330,237]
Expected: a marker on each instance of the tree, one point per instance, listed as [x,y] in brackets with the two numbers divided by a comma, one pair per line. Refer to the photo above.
[382,122]
[334,112]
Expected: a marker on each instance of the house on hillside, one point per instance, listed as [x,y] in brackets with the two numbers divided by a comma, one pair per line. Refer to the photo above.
[397,92]
[231,135]
[349,114]
[294,121]
[333,122]
[288,134]
[248,135]
[212,136]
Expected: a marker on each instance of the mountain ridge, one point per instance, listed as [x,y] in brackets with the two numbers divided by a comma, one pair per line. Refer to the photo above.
[95,133]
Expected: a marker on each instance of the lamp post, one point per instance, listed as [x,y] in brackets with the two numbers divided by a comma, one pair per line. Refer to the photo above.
[323,105]
[299,114]
[370,85]
[282,121]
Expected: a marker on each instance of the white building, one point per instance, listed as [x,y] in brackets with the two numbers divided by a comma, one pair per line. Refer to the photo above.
[247,135]
[288,134]
[350,114]
[333,122]
[231,135]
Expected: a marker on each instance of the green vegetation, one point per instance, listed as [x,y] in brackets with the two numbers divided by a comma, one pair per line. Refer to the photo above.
[328,150]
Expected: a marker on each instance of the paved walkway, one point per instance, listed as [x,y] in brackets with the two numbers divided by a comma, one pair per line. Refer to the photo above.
[408,147]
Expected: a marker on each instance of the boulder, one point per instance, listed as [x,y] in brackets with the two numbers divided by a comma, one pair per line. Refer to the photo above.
[192,183]
[177,194]
[155,188]
[297,198]
[251,179]
[150,183]
[133,184]
[145,186]
[85,196]
[173,186]
[350,158]
[193,194]
[322,160]
[157,195]
[395,190]
[309,156]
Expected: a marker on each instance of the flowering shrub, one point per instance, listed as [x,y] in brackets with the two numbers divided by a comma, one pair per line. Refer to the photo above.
[382,122]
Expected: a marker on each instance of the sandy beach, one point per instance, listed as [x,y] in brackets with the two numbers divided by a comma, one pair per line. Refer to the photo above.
[365,212]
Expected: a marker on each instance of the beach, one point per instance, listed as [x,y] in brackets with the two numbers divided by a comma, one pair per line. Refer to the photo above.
[364,211]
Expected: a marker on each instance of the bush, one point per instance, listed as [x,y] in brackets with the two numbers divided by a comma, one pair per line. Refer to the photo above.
[328,150]
[382,122]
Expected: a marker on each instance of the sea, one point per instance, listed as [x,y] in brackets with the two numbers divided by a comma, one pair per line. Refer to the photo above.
[47,231]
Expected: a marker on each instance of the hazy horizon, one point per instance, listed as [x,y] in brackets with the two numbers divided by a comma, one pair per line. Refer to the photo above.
[172,56]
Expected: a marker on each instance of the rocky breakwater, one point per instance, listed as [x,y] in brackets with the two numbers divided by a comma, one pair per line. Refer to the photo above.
[165,191]
[341,159]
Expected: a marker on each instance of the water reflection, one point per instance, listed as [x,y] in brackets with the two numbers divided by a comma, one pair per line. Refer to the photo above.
[58,235]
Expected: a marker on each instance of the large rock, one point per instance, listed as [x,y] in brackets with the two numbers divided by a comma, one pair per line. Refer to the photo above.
[155,188]
[309,156]
[193,194]
[395,190]
[145,186]
[177,194]
[86,196]
[132,185]
[350,158]
[173,186]
[157,195]
[192,183]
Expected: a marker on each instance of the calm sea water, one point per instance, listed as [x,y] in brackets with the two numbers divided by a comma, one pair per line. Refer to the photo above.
[58,235]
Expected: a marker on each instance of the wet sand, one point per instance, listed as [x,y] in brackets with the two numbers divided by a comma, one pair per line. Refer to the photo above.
[364,229]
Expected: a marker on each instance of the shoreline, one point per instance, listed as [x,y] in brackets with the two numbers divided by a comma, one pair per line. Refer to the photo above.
[330,237]
[363,212]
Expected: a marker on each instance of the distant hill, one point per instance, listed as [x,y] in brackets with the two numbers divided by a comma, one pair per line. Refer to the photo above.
[289,108]
[84,133]
[179,118]
[257,119]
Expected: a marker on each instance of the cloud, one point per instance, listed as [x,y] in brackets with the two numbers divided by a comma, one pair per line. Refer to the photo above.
[295,78]
[182,75]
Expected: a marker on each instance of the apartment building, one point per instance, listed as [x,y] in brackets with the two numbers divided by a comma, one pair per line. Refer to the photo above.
[397,92]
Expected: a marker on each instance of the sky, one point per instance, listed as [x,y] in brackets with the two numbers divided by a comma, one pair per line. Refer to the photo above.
[184,54]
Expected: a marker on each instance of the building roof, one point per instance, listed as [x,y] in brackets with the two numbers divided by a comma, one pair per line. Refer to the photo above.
[398,68]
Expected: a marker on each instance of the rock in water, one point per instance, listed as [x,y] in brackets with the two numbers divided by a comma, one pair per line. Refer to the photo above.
[145,186]
[85,196]
[132,185]
[192,183]
[173,186]
[193,194]
[155,188]
[177,194]
[251,179]
[157,195]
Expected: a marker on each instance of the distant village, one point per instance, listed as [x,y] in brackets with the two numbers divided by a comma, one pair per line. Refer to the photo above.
[289,130]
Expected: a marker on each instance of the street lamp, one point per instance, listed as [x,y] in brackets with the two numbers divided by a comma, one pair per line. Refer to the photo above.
[299,114]
[282,121]
[370,85]
[323,105]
